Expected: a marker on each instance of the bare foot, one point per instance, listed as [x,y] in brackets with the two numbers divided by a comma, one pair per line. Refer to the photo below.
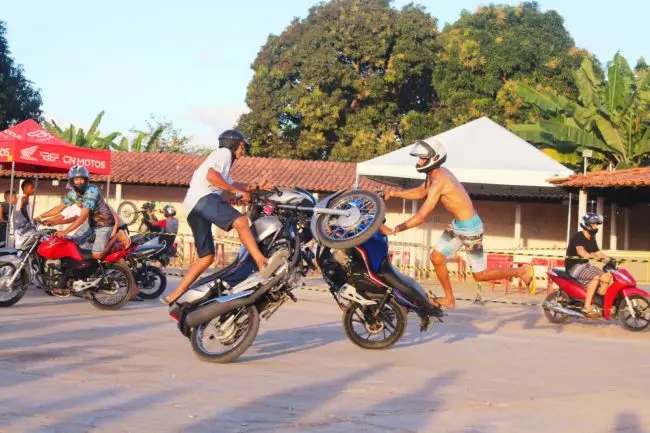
[526,274]
[447,303]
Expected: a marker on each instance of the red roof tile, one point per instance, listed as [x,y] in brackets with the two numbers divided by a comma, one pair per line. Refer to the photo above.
[631,177]
[176,169]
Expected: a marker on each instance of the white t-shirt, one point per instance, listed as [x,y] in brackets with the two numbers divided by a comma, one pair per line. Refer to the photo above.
[220,160]
[73,211]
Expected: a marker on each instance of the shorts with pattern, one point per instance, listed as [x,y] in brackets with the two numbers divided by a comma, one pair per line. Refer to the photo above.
[468,234]
[585,272]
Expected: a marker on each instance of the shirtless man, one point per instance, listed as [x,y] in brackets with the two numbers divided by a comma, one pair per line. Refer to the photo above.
[465,230]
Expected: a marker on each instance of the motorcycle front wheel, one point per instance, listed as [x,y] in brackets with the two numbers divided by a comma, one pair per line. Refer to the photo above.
[641,319]
[225,338]
[18,288]
[128,212]
[117,291]
[366,215]
[375,333]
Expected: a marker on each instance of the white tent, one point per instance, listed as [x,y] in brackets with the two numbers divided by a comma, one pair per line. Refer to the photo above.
[479,152]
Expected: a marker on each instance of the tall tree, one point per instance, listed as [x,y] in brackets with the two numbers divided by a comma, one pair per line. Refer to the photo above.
[19,100]
[611,116]
[338,83]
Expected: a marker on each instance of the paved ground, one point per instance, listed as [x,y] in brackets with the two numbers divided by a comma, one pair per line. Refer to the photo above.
[68,367]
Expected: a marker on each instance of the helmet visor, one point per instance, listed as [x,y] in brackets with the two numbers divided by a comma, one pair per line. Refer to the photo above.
[422,150]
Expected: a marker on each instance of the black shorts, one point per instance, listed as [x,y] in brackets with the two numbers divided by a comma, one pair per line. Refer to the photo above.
[210,209]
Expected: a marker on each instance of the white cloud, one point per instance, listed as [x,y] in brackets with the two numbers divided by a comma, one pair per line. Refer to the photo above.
[213,119]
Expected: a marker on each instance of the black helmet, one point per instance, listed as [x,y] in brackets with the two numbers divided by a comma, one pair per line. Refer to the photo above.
[434,153]
[231,138]
[169,210]
[78,171]
[148,206]
[591,218]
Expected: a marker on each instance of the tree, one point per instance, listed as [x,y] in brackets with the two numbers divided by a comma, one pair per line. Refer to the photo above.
[91,139]
[483,52]
[338,83]
[611,117]
[19,100]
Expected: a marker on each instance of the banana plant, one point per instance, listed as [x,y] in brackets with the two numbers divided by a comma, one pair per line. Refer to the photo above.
[76,136]
[610,117]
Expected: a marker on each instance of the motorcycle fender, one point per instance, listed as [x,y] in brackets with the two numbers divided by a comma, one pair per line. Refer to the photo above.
[323,203]
[627,291]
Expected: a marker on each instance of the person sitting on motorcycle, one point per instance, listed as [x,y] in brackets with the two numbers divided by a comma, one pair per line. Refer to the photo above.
[583,244]
[149,218]
[205,206]
[94,208]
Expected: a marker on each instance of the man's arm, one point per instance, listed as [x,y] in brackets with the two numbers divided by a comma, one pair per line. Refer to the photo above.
[52,212]
[584,254]
[24,200]
[423,213]
[83,216]
[410,194]
[215,178]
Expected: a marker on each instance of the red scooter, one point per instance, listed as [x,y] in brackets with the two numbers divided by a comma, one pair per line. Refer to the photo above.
[622,300]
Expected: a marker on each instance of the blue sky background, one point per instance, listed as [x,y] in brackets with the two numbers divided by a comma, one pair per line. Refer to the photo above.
[190,61]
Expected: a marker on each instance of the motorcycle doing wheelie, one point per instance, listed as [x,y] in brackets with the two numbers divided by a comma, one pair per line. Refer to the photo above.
[374,295]
[622,300]
[61,268]
[220,313]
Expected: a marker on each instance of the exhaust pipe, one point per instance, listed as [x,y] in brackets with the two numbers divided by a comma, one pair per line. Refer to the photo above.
[559,309]
[215,309]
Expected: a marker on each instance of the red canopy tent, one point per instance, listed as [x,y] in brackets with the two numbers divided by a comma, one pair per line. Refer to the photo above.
[28,146]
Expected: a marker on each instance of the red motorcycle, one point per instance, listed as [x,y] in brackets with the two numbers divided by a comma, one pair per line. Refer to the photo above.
[62,269]
[622,300]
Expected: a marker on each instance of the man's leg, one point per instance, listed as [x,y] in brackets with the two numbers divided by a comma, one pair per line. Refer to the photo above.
[248,240]
[523,272]
[447,246]
[204,242]
[591,291]
[605,281]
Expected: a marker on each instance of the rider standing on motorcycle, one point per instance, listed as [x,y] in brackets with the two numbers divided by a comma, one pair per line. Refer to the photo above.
[583,244]
[204,206]
[465,230]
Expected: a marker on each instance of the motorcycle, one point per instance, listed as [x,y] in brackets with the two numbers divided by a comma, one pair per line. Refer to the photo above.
[374,295]
[62,269]
[622,300]
[224,308]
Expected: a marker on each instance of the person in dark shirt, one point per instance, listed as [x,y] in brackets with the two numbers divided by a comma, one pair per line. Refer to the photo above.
[583,244]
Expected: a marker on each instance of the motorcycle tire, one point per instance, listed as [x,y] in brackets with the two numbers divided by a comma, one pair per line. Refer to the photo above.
[128,212]
[355,311]
[123,299]
[18,288]
[622,310]
[154,292]
[343,201]
[554,316]
[223,358]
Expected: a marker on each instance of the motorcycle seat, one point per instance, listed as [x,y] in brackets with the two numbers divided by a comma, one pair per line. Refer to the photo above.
[407,286]
[8,251]
[86,254]
[564,274]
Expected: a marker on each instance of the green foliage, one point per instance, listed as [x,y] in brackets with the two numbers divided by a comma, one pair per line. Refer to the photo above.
[19,100]
[92,139]
[611,117]
[356,78]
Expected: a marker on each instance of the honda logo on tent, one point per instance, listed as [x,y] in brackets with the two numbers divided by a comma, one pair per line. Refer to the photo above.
[40,135]
[28,153]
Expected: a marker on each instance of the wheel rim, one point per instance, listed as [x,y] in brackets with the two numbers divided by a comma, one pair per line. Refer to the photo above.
[155,281]
[377,331]
[363,211]
[217,339]
[115,291]
[559,300]
[6,271]
[641,317]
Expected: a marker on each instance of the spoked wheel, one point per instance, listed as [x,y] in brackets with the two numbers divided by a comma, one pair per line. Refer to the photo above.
[555,316]
[226,338]
[366,212]
[152,284]
[128,212]
[641,318]
[366,331]
[117,291]
[10,295]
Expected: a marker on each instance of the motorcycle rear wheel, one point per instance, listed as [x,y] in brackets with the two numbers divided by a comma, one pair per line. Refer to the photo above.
[555,316]
[123,296]
[348,232]
[18,288]
[392,316]
[247,329]
[158,283]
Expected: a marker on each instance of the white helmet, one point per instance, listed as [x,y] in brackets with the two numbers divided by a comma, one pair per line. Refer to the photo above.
[434,153]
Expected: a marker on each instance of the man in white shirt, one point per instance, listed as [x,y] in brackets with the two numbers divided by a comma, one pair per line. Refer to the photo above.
[204,206]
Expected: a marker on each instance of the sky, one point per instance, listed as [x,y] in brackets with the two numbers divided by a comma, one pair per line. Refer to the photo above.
[189,61]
